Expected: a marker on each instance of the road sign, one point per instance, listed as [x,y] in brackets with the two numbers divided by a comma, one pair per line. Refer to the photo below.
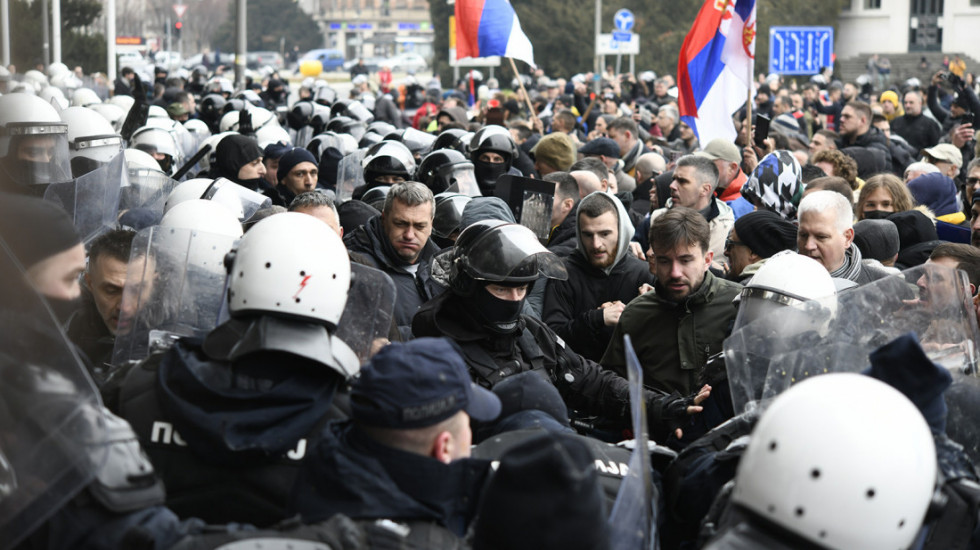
[180,10]
[800,50]
[620,36]
[608,46]
[624,20]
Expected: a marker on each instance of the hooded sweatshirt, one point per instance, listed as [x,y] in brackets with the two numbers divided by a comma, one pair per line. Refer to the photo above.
[571,307]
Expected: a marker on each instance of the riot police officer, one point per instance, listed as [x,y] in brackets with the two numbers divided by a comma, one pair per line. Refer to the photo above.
[489,273]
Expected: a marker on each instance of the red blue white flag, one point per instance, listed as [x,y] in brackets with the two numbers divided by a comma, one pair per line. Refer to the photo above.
[486,28]
[715,67]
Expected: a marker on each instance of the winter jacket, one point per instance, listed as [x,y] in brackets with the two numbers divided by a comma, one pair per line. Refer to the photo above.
[920,131]
[674,340]
[412,290]
[571,307]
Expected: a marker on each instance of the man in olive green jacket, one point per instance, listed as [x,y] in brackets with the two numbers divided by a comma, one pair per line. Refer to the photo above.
[687,315]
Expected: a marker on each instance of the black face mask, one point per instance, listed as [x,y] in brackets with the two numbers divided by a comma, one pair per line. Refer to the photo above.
[501,316]
[487,174]
[877,215]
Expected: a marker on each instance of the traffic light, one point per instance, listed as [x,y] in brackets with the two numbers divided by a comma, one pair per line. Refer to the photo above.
[177,28]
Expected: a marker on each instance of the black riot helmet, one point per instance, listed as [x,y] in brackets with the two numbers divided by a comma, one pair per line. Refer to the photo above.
[387,158]
[325,95]
[492,139]
[381,128]
[417,142]
[494,251]
[442,168]
[299,116]
[351,108]
[454,138]
[211,109]
[448,217]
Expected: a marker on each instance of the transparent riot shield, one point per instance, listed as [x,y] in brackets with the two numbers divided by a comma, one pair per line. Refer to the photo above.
[92,199]
[633,521]
[51,421]
[768,355]
[174,288]
[463,179]
[368,313]
[531,201]
[243,202]
[350,175]
[148,189]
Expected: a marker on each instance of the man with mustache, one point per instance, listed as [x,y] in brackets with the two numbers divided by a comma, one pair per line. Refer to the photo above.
[685,319]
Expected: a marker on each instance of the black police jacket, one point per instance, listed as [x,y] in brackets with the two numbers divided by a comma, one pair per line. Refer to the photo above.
[491,357]
[351,474]
[227,440]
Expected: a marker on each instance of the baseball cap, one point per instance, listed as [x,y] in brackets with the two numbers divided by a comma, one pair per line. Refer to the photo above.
[417,384]
[720,148]
[601,146]
[945,152]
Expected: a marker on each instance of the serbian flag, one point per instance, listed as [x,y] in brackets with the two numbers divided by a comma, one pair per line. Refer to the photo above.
[485,28]
[715,67]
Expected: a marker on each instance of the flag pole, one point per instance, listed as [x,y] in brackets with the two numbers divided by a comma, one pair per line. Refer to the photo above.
[527,98]
[748,103]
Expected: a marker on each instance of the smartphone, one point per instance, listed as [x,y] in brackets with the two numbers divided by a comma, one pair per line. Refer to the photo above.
[761,130]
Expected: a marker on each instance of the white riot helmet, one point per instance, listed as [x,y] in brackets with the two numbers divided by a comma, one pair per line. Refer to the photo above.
[55,97]
[785,279]
[260,119]
[140,160]
[124,102]
[35,79]
[33,141]
[157,111]
[112,113]
[157,141]
[91,137]
[273,272]
[202,215]
[181,134]
[57,68]
[198,130]
[83,97]
[186,191]
[66,81]
[272,133]
[854,476]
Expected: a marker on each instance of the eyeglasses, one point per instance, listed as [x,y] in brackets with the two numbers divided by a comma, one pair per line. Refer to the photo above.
[730,243]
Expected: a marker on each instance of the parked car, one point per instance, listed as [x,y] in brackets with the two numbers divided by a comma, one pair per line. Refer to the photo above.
[406,62]
[330,59]
[227,59]
[256,60]
[169,60]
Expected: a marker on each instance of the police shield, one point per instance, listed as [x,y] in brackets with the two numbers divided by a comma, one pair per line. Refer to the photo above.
[633,520]
[174,288]
[148,189]
[350,175]
[530,200]
[366,320]
[243,202]
[92,199]
[838,334]
[51,420]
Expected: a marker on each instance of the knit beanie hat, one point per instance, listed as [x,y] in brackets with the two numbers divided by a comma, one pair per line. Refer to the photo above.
[766,233]
[557,150]
[289,161]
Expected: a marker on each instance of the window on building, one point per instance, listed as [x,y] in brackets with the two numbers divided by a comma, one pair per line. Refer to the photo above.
[845,5]
[872,4]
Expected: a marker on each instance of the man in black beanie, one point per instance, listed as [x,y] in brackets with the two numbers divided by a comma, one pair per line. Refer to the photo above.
[755,237]
[297,174]
[239,159]
[878,240]
[42,238]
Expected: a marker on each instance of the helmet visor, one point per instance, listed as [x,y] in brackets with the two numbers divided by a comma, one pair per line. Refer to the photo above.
[511,253]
